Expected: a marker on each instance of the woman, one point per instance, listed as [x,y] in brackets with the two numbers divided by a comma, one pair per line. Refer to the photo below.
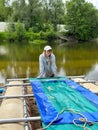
[47,65]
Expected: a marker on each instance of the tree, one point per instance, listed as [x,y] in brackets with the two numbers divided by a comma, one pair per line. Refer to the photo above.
[5,10]
[28,13]
[19,8]
[20,31]
[81,19]
[34,11]
[54,12]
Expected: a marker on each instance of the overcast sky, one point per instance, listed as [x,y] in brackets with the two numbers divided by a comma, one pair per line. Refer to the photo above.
[95,2]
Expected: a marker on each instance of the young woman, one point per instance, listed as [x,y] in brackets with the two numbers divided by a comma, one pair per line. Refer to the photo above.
[47,65]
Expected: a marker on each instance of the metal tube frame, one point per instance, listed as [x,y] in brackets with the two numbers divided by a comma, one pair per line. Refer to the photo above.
[25,110]
[81,76]
[18,79]
[11,85]
[17,96]
[15,120]
[27,119]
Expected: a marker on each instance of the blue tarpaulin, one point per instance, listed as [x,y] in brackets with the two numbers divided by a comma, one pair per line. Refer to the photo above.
[65,98]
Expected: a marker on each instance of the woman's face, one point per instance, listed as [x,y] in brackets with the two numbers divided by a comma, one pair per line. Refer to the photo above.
[48,53]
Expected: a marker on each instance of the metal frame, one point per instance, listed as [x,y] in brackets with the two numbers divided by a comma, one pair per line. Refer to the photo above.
[18,79]
[26,118]
[81,76]
[11,85]
[14,120]
[17,96]
[85,81]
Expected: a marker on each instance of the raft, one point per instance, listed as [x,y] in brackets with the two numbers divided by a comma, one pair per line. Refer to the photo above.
[12,108]
[63,103]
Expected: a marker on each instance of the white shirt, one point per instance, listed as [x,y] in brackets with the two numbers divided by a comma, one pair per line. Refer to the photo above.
[47,65]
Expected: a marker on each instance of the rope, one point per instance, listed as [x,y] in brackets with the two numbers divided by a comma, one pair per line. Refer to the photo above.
[52,120]
[83,119]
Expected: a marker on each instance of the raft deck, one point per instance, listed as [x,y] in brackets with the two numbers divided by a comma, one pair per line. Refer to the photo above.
[16,112]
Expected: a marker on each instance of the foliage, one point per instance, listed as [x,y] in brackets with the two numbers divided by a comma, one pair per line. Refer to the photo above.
[39,42]
[27,13]
[16,31]
[54,11]
[81,19]
[38,19]
[46,36]
[5,10]
[20,31]
[51,36]
[2,36]
[38,12]
[11,35]
[32,36]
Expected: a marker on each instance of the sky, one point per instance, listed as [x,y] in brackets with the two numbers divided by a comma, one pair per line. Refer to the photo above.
[94,2]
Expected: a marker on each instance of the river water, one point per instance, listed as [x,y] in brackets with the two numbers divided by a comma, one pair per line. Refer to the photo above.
[21,60]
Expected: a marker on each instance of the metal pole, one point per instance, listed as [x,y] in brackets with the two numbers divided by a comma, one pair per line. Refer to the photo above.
[14,120]
[17,96]
[18,79]
[80,76]
[25,110]
[85,81]
[11,85]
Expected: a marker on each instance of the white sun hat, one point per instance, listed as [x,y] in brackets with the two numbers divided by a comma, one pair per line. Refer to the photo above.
[47,48]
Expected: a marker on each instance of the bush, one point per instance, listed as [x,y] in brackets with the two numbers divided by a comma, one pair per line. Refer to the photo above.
[30,35]
[2,36]
[51,36]
[43,35]
[20,31]
[38,42]
[11,37]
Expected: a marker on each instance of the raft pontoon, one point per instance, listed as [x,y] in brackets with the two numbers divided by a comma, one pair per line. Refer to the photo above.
[63,103]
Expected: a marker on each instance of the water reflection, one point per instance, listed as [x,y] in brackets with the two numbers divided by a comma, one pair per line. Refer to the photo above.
[3,50]
[17,71]
[19,61]
[64,60]
[61,72]
[28,72]
[2,78]
[93,73]
[11,71]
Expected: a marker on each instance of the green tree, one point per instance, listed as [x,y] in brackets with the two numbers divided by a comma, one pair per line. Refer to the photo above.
[54,12]
[35,14]
[20,31]
[19,8]
[16,31]
[81,19]
[29,13]
[5,10]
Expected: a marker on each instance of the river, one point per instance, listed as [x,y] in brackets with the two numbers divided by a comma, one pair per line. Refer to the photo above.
[21,60]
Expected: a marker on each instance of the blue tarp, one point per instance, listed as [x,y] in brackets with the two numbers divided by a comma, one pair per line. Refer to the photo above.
[49,110]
